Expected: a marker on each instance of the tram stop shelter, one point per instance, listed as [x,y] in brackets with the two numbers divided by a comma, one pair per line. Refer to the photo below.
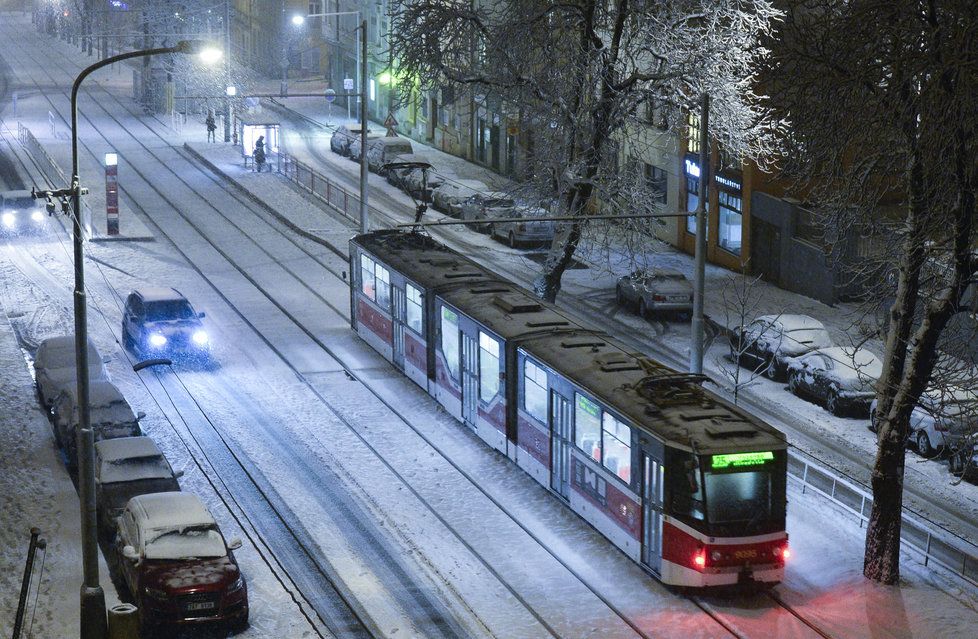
[250,127]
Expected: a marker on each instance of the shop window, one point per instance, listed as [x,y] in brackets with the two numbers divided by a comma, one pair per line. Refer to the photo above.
[367,284]
[657,181]
[415,309]
[450,340]
[587,427]
[535,391]
[488,367]
[383,283]
[617,440]
[731,222]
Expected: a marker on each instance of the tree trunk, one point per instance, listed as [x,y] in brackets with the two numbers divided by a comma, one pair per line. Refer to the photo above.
[881,561]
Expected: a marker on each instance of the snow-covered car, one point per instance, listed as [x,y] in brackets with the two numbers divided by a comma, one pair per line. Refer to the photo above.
[526,231]
[125,468]
[963,462]
[54,367]
[448,197]
[343,136]
[177,565]
[941,421]
[396,176]
[382,151]
[413,182]
[109,415]
[485,206]
[656,290]
[842,378]
[160,322]
[767,343]
[21,213]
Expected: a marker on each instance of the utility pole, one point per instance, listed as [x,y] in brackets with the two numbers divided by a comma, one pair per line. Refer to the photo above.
[364,214]
[227,70]
[699,272]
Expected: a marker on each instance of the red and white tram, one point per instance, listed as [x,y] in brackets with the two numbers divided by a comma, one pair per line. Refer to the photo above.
[682,481]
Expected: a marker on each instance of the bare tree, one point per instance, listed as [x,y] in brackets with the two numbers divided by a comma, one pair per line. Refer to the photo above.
[880,98]
[581,73]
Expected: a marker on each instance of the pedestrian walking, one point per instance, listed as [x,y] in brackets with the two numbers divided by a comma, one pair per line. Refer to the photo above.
[211,126]
[259,154]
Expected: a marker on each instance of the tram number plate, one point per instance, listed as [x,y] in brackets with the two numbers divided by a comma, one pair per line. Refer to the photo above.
[745,554]
[200,605]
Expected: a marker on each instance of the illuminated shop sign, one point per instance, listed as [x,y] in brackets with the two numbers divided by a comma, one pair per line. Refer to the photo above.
[741,460]
[693,170]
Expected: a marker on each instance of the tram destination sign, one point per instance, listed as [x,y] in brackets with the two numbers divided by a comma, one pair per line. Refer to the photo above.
[741,460]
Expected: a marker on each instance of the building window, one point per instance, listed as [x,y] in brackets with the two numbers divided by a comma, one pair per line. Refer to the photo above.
[731,222]
[488,367]
[617,441]
[692,133]
[383,282]
[449,340]
[367,284]
[535,391]
[415,309]
[587,427]
[657,182]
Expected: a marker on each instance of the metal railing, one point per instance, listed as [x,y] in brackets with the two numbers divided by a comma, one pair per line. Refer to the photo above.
[338,198]
[918,533]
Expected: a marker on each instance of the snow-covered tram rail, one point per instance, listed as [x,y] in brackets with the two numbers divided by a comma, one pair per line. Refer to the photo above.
[684,483]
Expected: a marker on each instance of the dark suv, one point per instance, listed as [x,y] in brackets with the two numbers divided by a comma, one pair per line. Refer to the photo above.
[161,322]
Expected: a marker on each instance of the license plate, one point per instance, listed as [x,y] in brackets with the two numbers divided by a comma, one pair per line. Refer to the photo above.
[201,605]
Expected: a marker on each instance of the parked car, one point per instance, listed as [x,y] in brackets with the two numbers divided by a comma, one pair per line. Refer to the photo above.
[54,367]
[381,151]
[941,421]
[125,468]
[435,179]
[448,197]
[485,206]
[766,344]
[161,322]
[527,231]
[963,462]
[343,136]
[177,565]
[396,177]
[656,290]
[21,213]
[841,378]
[109,415]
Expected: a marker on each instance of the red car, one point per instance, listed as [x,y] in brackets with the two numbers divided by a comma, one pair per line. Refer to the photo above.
[177,565]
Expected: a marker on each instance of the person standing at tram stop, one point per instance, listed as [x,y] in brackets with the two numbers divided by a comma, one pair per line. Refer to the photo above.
[260,153]
[211,126]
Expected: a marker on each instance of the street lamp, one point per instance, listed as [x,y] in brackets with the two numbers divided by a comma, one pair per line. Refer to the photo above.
[93,621]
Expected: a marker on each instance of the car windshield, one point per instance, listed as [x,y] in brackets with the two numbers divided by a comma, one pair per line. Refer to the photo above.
[813,337]
[192,542]
[169,310]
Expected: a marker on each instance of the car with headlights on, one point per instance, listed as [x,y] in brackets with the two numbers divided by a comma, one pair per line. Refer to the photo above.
[109,415]
[177,566]
[655,290]
[941,420]
[160,322]
[767,343]
[54,367]
[125,468]
[21,213]
[842,378]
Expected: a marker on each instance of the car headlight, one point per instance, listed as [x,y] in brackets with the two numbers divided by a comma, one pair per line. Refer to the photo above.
[9,219]
[237,585]
[37,215]
[155,593]
[200,338]
[157,340]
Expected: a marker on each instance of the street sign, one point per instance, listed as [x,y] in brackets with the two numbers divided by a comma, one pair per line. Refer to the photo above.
[391,124]
[330,95]
[347,84]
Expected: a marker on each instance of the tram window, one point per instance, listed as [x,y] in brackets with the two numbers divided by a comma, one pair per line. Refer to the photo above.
[488,367]
[617,447]
[685,486]
[739,497]
[587,426]
[383,286]
[449,340]
[415,308]
[367,277]
[535,390]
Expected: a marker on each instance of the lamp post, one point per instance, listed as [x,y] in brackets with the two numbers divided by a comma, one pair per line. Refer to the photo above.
[93,621]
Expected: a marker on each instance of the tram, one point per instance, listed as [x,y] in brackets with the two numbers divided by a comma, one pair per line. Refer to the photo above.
[683,482]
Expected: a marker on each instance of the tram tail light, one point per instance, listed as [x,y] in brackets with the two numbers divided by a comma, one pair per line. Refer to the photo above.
[782,552]
[699,559]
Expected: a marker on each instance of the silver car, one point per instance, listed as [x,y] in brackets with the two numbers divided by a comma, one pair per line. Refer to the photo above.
[344,136]
[413,182]
[526,231]
[448,197]
[941,421]
[485,206]
[656,290]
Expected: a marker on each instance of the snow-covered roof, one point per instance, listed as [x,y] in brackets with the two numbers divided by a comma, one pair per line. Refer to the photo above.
[161,511]
[126,459]
[101,393]
[111,450]
[857,360]
[794,322]
[59,352]
[474,185]
[158,294]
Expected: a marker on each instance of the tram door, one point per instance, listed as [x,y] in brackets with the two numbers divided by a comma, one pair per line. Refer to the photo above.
[652,481]
[399,314]
[560,444]
[470,379]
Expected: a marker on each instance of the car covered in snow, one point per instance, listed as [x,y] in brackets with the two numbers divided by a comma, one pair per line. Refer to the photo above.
[54,367]
[160,322]
[125,468]
[109,415]
[344,136]
[177,565]
[941,420]
[842,378]
[482,207]
[396,175]
[656,290]
[963,462]
[525,231]
[383,151]
[414,182]
[767,343]
[21,213]
[448,197]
